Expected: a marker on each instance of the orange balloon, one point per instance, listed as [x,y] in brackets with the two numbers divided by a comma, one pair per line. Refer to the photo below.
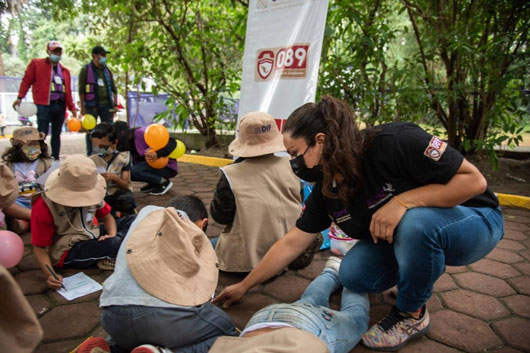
[156,136]
[74,125]
[158,163]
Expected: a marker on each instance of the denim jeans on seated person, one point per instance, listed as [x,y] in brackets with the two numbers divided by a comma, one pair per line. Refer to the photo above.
[143,172]
[340,330]
[182,330]
[87,253]
[426,240]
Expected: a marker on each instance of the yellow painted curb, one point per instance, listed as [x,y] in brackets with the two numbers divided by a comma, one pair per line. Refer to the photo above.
[209,161]
[514,200]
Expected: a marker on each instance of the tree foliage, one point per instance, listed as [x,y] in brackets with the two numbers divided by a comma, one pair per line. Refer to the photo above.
[456,64]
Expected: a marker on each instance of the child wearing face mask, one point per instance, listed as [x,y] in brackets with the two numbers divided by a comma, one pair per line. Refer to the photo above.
[28,158]
[115,167]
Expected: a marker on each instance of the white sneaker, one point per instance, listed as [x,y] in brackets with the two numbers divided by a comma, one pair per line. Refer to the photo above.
[333,263]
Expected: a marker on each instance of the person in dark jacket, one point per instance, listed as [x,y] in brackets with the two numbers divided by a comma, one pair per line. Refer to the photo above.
[97,92]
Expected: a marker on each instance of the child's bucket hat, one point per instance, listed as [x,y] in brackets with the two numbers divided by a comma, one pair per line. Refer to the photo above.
[257,135]
[26,134]
[172,259]
[75,183]
[8,187]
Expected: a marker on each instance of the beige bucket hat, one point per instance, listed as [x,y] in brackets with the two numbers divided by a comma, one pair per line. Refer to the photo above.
[75,183]
[26,134]
[8,187]
[285,340]
[172,259]
[257,135]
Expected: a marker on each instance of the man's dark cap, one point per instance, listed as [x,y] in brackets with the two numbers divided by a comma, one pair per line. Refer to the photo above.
[98,49]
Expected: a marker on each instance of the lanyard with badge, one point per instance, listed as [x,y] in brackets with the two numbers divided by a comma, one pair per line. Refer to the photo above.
[57,82]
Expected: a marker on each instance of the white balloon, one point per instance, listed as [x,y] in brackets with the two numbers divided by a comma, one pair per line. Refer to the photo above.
[27,109]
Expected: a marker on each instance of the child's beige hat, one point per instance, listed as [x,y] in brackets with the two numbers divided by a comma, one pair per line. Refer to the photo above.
[8,187]
[26,134]
[75,183]
[257,135]
[172,259]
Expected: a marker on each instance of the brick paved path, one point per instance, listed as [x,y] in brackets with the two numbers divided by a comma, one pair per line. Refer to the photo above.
[484,307]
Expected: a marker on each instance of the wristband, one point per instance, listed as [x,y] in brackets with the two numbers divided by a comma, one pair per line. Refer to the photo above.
[401,202]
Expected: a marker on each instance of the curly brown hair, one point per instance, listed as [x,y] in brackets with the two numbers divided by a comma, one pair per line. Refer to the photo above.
[344,144]
[14,154]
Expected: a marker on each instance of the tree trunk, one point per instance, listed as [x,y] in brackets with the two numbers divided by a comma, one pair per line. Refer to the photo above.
[2,71]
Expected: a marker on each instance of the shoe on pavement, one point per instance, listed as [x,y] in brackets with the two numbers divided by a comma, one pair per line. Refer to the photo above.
[395,330]
[106,264]
[148,187]
[333,263]
[161,189]
[306,257]
[94,345]
[148,348]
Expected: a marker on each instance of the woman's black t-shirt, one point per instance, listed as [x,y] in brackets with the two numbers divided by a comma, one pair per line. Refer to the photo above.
[400,157]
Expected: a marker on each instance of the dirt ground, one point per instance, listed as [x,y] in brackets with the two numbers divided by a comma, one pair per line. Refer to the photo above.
[511,177]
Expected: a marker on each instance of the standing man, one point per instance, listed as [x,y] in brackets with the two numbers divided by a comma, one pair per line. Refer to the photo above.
[97,91]
[50,86]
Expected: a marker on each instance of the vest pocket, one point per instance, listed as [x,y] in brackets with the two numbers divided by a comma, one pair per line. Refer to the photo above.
[230,252]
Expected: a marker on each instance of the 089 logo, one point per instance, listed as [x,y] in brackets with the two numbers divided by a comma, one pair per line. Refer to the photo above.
[288,62]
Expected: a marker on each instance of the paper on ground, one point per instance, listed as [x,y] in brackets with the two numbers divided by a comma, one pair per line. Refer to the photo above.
[78,285]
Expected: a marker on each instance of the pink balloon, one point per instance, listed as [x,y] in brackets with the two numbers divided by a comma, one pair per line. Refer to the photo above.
[11,248]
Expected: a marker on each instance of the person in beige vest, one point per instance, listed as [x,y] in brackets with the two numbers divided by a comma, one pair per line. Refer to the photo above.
[63,228]
[28,158]
[20,331]
[115,167]
[307,325]
[257,196]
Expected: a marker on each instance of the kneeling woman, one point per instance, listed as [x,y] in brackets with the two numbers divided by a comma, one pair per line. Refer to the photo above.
[415,202]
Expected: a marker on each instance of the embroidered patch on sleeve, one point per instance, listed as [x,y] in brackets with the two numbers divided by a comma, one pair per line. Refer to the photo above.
[435,149]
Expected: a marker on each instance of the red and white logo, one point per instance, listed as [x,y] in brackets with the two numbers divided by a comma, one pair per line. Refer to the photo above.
[265,63]
[288,62]
[435,149]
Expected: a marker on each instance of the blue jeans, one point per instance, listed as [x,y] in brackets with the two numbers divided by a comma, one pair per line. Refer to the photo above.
[340,330]
[183,330]
[104,114]
[86,253]
[143,172]
[52,114]
[426,240]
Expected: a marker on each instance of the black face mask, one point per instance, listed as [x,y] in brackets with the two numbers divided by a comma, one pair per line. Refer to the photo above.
[300,169]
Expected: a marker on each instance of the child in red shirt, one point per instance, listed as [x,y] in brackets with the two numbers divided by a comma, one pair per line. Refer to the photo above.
[63,228]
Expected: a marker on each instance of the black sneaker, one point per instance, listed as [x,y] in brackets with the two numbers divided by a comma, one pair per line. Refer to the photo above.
[306,257]
[148,187]
[161,189]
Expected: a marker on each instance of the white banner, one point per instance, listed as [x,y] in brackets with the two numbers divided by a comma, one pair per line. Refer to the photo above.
[282,54]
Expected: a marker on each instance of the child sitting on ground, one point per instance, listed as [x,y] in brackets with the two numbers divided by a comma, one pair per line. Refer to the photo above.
[159,294]
[115,167]
[158,180]
[28,158]
[63,220]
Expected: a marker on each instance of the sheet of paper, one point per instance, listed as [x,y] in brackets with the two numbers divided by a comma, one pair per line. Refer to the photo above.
[78,285]
[100,170]
[42,179]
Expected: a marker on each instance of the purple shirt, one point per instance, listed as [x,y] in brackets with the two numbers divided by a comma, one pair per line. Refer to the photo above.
[57,89]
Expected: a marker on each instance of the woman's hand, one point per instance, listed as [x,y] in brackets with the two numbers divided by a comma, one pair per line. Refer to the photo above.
[386,219]
[55,283]
[230,295]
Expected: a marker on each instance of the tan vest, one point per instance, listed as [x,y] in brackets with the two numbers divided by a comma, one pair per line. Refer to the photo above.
[285,340]
[72,225]
[115,167]
[268,203]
